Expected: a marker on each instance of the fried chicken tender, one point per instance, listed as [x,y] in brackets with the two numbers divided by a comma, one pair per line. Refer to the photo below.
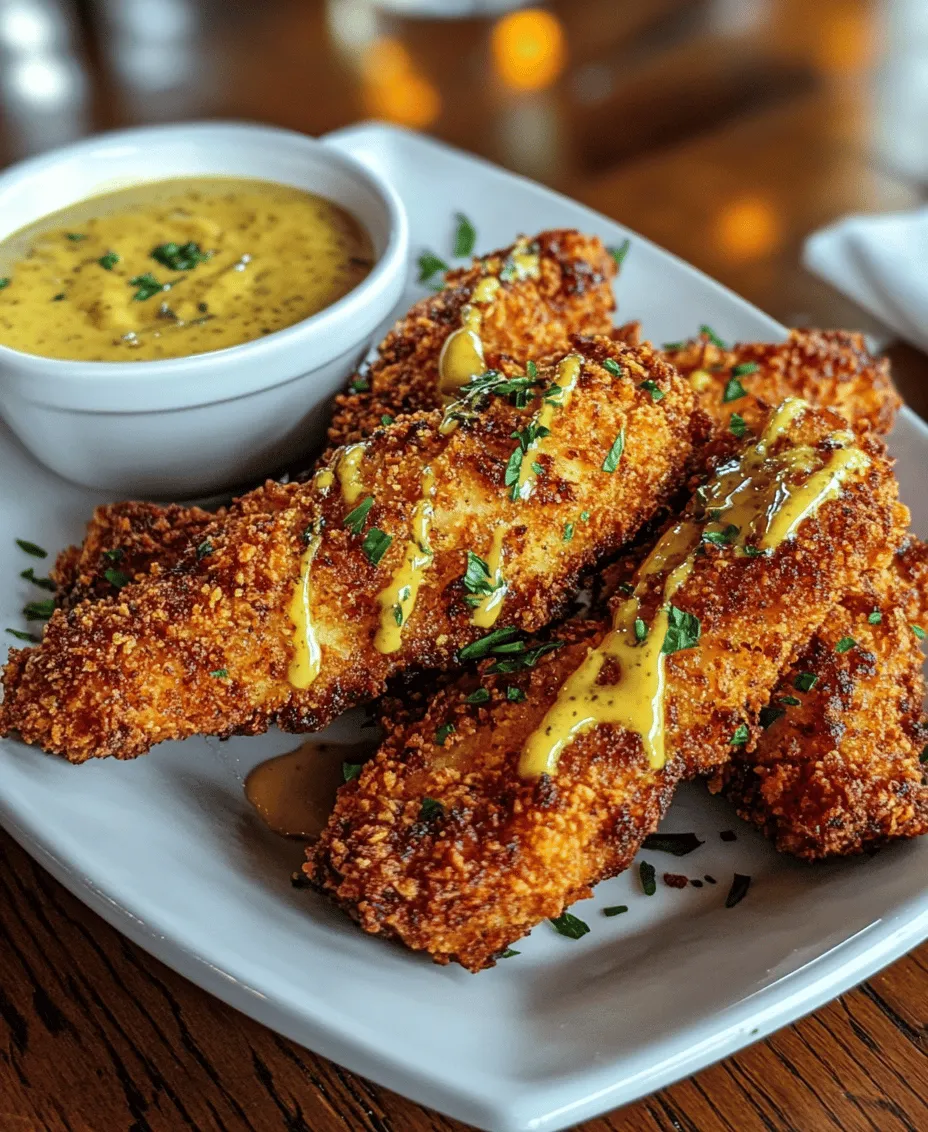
[527,318]
[209,647]
[838,771]
[441,843]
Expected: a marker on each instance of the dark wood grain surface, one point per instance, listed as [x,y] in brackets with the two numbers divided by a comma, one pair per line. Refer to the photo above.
[724,130]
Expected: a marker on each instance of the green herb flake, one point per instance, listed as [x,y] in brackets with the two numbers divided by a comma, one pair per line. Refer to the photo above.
[919,632]
[805,681]
[148,286]
[610,365]
[671,347]
[375,545]
[351,770]
[356,519]
[4,281]
[430,809]
[480,696]
[790,701]
[75,236]
[619,253]
[740,736]
[657,394]
[712,336]
[734,390]
[465,236]
[514,695]
[647,875]
[114,555]
[528,658]
[59,297]
[724,537]
[614,455]
[179,257]
[875,617]
[683,631]
[108,261]
[679,844]
[615,910]
[360,384]
[571,926]
[477,579]
[641,629]
[205,549]
[220,673]
[845,644]
[386,419]
[769,715]
[509,953]
[39,610]
[736,426]
[744,369]
[21,636]
[443,732]
[31,548]
[116,578]
[568,532]
[584,516]
[738,891]
[430,265]
[43,583]
[476,650]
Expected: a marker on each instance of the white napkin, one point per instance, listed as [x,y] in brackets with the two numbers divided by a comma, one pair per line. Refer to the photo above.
[882,263]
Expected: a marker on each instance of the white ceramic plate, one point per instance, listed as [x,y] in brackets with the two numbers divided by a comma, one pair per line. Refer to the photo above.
[167,849]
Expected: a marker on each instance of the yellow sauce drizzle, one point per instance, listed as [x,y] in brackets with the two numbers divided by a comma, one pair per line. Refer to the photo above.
[323,479]
[568,373]
[348,470]
[490,605]
[485,291]
[398,600]
[307,656]
[755,494]
[461,357]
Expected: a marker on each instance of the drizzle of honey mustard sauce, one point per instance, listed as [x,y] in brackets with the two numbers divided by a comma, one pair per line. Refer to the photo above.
[568,373]
[490,605]
[398,599]
[306,660]
[766,496]
[348,470]
[323,479]
[294,793]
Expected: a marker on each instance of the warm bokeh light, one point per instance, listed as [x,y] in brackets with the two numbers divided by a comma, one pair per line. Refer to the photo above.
[748,228]
[528,49]
[848,42]
[394,88]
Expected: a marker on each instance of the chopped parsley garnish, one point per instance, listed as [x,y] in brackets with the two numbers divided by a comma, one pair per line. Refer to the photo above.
[614,455]
[740,736]
[480,696]
[477,579]
[584,515]
[59,297]
[736,425]
[386,419]
[641,629]
[116,578]
[443,732]
[430,809]
[21,636]
[571,926]
[31,548]
[769,715]
[39,610]
[351,770]
[531,369]
[919,632]
[360,384]
[610,365]
[683,631]
[4,281]
[679,844]
[619,253]
[375,545]
[525,659]
[508,953]
[744,369]
[43,583]
[205,549]
[108,261]
[805,681]
[476,650]
[875,617]
[514,695]
[790,701]
[76,236]
[430,265]
[738,891]
[845,644]
[526,438]
[615,910]
[465,236]
[179,257]
[148,286]
[648,882]
[657,394]
[670,346]
[734,390]
[722,538]
[356,519]
[220,673]
[114,555]
[712,336]
[568,532]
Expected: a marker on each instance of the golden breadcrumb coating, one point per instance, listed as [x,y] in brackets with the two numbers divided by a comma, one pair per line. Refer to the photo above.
[442,844]
[527,319]
[206,647]
[839,771]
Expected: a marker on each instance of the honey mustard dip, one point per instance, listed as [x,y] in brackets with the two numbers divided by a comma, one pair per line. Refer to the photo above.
[174,268]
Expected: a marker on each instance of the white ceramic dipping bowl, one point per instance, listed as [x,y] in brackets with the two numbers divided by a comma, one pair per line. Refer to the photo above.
[194,426]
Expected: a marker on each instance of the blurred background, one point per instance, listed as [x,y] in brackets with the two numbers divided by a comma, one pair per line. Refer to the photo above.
[726,130]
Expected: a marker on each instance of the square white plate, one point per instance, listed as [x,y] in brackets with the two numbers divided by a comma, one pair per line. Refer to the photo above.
[167,849]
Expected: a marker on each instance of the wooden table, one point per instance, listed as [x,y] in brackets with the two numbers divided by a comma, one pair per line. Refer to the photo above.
[724,130]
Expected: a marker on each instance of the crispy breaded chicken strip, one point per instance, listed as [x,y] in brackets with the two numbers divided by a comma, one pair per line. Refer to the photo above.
[443,844]
[212,647]
[528,317]
[838,770]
